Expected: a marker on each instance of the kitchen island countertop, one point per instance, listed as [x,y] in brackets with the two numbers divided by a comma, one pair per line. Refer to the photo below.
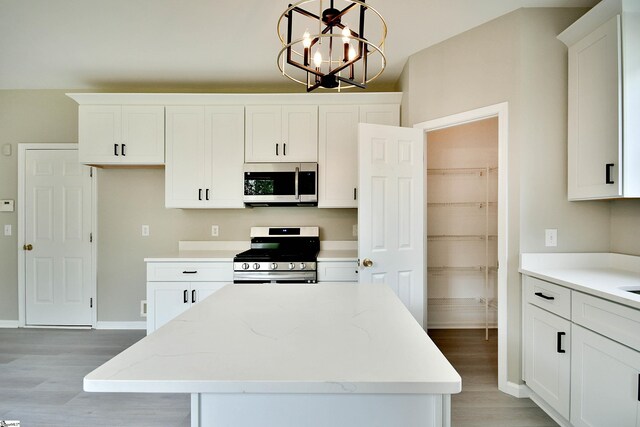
[328,338]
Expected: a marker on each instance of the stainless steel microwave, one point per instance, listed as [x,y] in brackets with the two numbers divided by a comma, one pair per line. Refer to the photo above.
[281,184]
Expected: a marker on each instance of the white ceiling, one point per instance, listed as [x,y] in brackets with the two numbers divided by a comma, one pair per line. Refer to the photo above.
[83,44]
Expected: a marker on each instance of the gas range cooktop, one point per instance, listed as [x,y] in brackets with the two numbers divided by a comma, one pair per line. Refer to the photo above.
[279,255]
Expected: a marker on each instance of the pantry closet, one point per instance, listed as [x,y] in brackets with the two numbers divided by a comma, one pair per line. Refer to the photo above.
[462,225]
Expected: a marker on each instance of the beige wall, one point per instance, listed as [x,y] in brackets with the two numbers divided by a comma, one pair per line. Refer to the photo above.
[515,58]
[127,198]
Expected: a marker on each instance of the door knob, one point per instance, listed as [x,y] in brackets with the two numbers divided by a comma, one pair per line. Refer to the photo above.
[28,247]
[367,262]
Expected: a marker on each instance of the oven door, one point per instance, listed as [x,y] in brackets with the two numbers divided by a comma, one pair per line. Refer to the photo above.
[268,184]
[265,277]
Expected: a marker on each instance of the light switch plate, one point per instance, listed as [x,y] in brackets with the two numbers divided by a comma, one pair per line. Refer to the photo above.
[551,237]
[145,230]
[7,229]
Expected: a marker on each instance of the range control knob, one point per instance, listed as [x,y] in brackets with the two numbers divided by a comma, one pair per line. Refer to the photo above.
[291,266]
[274,265]
[303,266]
[256,266]
[245,266]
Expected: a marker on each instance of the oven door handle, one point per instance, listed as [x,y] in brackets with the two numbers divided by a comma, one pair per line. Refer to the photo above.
[297,194]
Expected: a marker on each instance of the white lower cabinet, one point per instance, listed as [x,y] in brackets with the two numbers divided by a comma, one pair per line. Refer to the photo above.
[173,287]
[604,381]
[548,357]
[338,271]
[583,364]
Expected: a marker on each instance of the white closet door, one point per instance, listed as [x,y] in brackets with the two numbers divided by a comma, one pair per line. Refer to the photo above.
[58,226]
[391,211]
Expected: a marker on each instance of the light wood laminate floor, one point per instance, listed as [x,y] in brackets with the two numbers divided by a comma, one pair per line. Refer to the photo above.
[481,404]
[41,373]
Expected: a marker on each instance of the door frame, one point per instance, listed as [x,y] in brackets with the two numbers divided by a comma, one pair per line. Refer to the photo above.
[21,211]
[501,111]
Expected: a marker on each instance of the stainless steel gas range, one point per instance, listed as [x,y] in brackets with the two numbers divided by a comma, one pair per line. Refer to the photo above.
[279,255]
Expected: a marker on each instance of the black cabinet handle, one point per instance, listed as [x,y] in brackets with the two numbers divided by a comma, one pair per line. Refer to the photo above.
[608,167]
[190,272]
[541,295]
[123,149]
[199,193]
[115,149]
[277,148]
[193,296]
[284,149]
[355,193]
[185,294]
[559,342]
[207,194]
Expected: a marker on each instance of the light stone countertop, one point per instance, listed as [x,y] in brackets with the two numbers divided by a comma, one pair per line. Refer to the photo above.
[604,275]
[325,338]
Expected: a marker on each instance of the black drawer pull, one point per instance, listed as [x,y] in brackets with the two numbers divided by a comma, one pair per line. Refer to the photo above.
[115,149]
[559,343]
[608,179]
[276,148]
[124,146]
[199,193]
[284,148]
[207,194]
[193,296]
[185,295]
[541,295]
[190,272]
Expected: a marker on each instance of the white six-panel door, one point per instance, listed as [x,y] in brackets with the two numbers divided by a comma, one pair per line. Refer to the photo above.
[58,281]
[391,211]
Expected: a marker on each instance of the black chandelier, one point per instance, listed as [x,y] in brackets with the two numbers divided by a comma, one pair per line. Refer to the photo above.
[338,56]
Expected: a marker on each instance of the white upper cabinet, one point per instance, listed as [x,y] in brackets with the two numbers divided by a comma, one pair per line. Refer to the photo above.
[338,149]
[127,134]
[281,133]
[604,102]
[205,146]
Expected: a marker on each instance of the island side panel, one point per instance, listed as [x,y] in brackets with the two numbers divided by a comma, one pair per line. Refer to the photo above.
[320,410]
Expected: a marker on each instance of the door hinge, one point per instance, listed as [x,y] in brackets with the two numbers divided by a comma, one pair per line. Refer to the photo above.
[90,302]
[90,237]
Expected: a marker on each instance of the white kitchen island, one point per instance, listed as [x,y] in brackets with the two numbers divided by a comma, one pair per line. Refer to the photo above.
[339,354]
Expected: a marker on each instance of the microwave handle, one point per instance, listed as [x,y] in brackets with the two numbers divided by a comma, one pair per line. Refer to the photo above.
[297,195]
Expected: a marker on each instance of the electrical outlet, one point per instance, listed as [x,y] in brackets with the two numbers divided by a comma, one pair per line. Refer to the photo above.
[7,229]
[354,231]
[145,230]
[551,237]
[215,230]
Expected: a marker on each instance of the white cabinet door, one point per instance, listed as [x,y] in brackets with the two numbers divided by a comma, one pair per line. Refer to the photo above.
[548,357]
[224,136]
[204,289]
[205,147]
[338,149]
[277,133]
[113,134]
[595,114]
[338,156]
[605,376]
[165,301]
[186,157]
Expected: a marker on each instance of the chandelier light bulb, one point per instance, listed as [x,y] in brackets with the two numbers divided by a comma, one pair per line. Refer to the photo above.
[306,40]
[346,34]
[352,53]
[317,59]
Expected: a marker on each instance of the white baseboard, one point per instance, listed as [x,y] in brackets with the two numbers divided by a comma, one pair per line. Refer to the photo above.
[520,391]
[9,323]
[121,325]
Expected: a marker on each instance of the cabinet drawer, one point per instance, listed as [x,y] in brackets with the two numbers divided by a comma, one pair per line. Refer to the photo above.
[337,271]
[615,321]
[551,297]
[190,272]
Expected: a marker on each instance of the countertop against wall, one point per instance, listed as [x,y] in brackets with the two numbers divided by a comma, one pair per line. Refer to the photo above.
[605,275]
[221,251]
